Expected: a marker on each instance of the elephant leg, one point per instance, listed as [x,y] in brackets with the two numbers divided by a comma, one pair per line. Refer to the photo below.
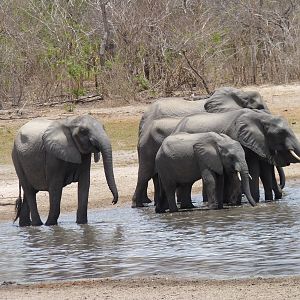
[161,201]
[170,189]
[140,194]
[83,195]
[210,182]
[220,190]
[24,218]
[204,194]
[266,179]
[157,191]
[55,192]
[253,165]
[29,205]
[276,188]
[183,193]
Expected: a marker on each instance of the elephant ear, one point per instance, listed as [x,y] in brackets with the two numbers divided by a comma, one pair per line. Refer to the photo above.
[59,142]
[251,133]
[208,155]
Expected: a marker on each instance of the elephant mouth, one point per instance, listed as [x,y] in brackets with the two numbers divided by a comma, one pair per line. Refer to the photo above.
[284,158]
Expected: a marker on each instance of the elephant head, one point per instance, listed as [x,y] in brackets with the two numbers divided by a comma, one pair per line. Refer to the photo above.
[228,99]
[268,136]
[69,139]
[225,155]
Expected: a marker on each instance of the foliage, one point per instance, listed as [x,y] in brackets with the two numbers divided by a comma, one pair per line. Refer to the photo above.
[54,48]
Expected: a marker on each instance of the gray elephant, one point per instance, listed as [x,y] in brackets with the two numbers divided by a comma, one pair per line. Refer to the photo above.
[264,137]
[223,99]
[49,155]
[185,158]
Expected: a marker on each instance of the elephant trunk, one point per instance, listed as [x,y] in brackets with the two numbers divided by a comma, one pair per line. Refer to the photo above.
[246,187]
[106,151]
[281,177]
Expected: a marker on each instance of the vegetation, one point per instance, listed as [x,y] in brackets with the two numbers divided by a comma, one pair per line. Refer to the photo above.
[52,50]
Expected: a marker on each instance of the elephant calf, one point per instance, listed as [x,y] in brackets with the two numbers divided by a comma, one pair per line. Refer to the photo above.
[49,155]
[185,158]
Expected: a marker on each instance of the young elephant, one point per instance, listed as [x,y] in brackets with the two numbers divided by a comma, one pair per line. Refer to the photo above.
[185,158]
[49,155]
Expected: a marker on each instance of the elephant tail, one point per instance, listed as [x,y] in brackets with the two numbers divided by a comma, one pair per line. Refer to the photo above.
[18,204]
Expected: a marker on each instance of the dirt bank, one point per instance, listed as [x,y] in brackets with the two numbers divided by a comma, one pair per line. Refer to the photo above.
[159,288]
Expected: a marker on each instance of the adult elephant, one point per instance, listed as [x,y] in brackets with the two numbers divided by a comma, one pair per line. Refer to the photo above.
[49,155]
[263,136]
[185,158]
[222,100]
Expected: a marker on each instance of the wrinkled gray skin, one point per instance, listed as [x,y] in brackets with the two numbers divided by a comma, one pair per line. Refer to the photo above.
[49,155]
[185,158]
[263,136]
[152,133]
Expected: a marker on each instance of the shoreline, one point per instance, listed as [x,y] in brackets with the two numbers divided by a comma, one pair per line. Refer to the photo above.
[284,287]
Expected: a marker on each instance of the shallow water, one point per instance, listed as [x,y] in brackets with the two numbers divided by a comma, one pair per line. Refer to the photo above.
[124,242]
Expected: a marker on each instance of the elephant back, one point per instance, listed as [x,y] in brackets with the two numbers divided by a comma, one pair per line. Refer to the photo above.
[29,137]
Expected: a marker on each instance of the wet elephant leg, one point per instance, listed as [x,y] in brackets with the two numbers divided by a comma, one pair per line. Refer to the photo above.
[157,191]
[210,182]
[24,218]
[267,179]
[145,173]
[29,205]
[183,193]
[253,166]
[204,194]
[161,201]
[220,190]
[55,192]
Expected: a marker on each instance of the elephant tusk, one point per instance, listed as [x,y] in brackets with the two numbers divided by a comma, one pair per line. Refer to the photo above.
[295,155]
[239,176]
[250,176]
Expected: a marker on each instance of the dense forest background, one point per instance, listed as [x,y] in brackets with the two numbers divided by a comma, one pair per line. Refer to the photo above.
[128,50]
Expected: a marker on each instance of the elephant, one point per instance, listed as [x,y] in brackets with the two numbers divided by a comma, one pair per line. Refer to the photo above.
[223,99]
[264,137]
[50,154]
[184,158]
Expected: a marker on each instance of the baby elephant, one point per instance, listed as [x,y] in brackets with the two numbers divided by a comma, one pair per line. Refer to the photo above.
[185,158]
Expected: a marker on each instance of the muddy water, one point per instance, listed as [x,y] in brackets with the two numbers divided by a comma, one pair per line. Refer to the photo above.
[123,242]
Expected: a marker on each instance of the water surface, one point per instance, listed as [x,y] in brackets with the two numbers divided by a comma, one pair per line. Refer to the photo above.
[124,242]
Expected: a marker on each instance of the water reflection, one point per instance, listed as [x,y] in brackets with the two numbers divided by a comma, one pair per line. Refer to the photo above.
[235,242]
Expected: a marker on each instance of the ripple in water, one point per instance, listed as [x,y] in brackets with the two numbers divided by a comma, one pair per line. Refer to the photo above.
[124,242]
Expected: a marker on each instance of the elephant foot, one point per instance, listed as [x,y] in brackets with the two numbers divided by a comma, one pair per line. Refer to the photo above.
[51,222]
[159,210]
[147,200]
[23,223]
[136,205]
[187,205]
[80,221]
[173,210]
[37,223]
[215,206]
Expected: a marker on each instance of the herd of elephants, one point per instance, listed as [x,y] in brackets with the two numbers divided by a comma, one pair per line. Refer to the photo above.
[230,140]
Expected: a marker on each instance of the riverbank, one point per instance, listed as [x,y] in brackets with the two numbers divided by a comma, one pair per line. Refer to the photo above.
[159,288]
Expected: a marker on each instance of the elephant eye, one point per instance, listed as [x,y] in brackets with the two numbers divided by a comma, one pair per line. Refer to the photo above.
[83,130]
